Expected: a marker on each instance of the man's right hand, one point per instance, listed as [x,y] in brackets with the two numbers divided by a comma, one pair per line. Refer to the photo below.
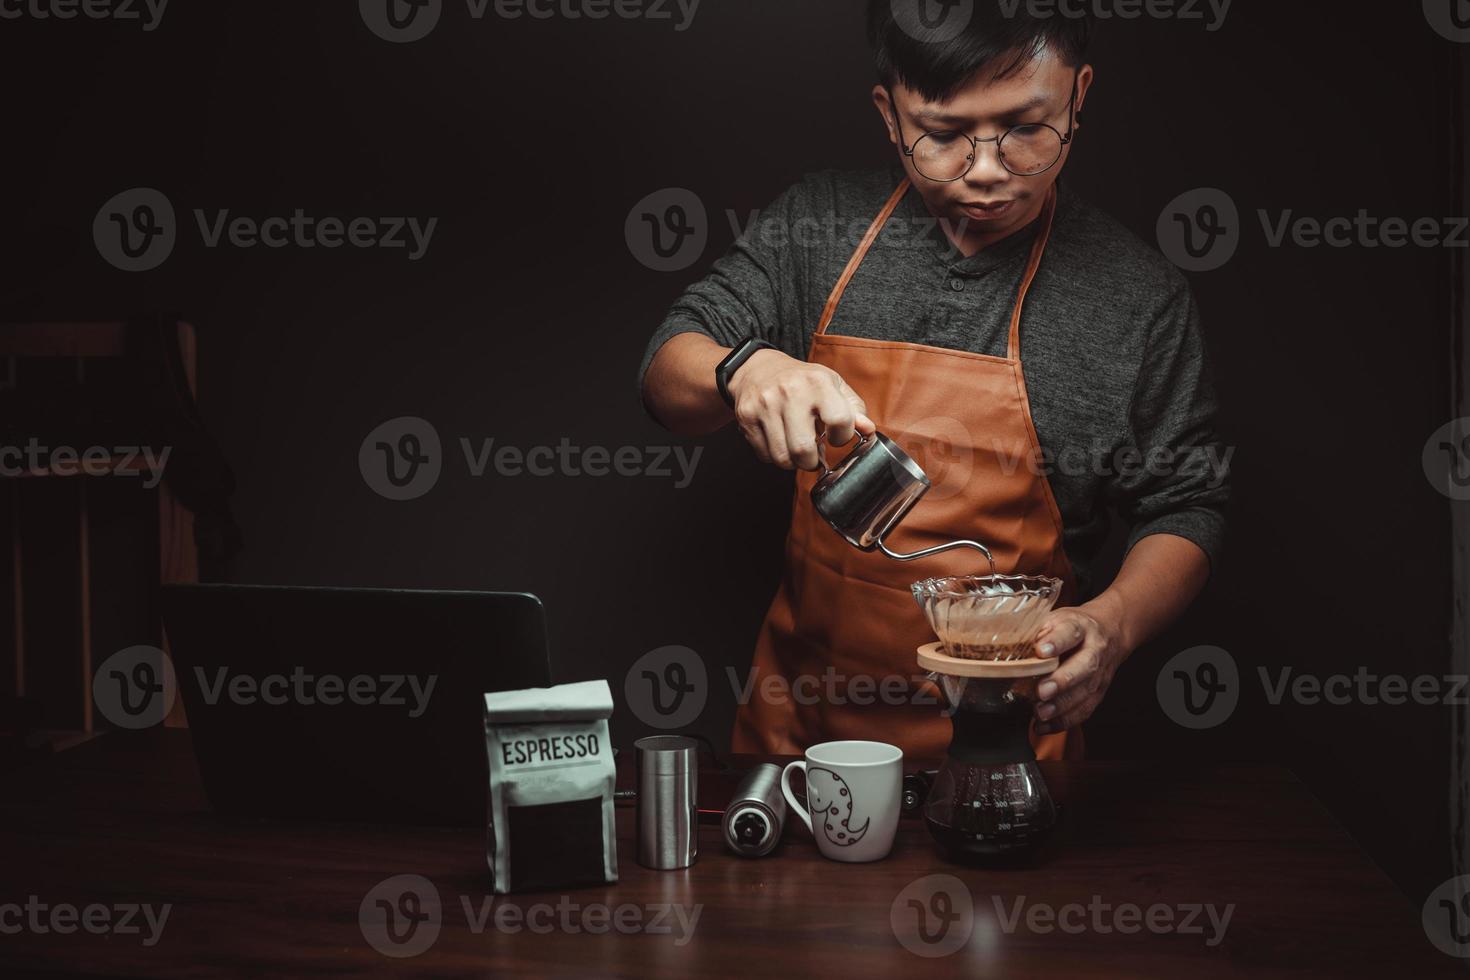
[780,402]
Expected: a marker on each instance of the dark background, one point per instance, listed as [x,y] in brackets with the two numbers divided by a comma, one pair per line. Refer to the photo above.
[526,319]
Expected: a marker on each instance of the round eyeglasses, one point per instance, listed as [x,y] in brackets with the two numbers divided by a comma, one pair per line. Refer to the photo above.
[1025,151]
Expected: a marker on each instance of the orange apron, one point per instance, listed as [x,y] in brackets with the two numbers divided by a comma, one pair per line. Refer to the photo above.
[842,631]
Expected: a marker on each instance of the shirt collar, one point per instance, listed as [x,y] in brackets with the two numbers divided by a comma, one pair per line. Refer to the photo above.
[982,262]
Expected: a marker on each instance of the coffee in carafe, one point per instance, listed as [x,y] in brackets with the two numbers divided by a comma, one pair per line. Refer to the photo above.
[989,801]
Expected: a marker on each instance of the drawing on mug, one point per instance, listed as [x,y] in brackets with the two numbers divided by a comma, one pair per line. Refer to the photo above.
[829,799]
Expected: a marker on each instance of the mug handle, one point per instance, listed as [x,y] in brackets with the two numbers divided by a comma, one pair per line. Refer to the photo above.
[797,807]
[862,440]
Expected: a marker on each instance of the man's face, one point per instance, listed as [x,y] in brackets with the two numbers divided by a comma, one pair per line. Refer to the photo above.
[989,202]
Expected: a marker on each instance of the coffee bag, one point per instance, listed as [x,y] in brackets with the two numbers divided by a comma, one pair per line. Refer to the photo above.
[549,821]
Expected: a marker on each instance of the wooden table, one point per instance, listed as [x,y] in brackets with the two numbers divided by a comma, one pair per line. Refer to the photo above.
[123,820]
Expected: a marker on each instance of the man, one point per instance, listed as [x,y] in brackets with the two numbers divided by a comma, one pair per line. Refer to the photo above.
[1041,363]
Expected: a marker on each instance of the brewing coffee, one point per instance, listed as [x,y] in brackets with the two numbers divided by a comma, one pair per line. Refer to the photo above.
[988,617]
[988,802]
[995,650]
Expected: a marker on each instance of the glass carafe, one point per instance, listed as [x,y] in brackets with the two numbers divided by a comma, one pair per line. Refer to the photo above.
[989,802]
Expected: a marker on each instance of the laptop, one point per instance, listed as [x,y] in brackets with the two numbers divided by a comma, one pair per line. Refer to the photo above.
[348,704]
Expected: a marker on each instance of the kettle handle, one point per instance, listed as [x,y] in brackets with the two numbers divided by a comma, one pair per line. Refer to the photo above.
[822,455]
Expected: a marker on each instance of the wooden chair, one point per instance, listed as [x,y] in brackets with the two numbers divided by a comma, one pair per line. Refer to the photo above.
[177,555]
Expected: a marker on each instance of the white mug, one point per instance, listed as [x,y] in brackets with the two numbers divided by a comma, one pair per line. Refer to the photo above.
[853,796]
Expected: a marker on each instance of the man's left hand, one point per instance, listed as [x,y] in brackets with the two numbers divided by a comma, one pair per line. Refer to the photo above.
[1091,649]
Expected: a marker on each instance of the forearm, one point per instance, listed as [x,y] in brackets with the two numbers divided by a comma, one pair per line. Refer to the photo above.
[1160,577]
[679,387]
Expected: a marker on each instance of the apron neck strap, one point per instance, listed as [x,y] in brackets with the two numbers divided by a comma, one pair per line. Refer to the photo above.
[869,237]
[1038,248]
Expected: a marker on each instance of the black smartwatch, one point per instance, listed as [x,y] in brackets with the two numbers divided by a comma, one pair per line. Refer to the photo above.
[742,353]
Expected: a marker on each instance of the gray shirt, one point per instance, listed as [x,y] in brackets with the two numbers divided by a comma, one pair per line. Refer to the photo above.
[1110,340]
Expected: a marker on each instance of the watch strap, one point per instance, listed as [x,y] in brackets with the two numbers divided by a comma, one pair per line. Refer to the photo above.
[743,352]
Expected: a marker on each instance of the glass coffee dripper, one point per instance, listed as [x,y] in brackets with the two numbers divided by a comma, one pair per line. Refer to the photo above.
[988,802]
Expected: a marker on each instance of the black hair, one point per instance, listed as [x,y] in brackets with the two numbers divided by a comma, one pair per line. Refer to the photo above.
[937,57]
